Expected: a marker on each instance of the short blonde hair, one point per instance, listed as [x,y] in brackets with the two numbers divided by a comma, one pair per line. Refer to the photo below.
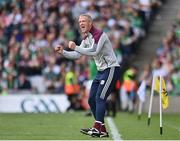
[88,16]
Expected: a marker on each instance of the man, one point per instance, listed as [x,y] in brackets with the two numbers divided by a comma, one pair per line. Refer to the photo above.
[23,82]
[96,44]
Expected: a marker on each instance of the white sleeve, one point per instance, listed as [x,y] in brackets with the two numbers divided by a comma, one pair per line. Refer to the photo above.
[71,54]
[94,49]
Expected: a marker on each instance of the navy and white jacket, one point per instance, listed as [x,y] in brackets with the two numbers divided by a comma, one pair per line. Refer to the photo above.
[98,45]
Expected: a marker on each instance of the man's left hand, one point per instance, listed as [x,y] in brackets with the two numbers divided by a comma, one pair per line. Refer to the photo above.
[72,45]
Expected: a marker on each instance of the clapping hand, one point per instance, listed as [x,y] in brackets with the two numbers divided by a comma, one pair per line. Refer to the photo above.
[59,49]
[72,45]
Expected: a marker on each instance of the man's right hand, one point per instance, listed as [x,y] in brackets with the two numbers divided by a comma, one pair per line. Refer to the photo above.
[59,49]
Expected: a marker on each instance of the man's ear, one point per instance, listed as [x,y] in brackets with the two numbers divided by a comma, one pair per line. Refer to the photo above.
[91,24]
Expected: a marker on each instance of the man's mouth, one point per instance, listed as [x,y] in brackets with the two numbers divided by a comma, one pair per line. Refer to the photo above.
[82,27]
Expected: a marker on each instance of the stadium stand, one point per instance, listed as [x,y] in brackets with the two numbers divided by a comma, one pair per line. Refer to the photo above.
[30,29]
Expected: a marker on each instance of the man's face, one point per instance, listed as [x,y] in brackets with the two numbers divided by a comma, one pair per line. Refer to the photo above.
[84,24]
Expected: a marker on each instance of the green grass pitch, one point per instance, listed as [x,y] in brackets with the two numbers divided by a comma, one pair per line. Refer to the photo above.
[66,127]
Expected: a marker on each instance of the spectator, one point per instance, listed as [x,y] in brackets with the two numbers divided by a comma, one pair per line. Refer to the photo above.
[23,82]
[72,88]
[128,90]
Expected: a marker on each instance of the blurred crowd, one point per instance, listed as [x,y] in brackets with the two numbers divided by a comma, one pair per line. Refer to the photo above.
[165,64]
[167,60]
[30,29]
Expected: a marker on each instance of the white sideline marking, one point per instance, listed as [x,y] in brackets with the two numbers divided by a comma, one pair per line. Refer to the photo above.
[114,131]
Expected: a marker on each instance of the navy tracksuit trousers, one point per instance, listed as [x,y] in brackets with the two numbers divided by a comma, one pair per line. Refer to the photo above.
[101,88]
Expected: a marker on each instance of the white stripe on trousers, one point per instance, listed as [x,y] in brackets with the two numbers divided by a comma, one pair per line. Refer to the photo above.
[108,82]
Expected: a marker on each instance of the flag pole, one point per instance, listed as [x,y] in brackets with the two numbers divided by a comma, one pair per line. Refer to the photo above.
[140,109]
[151,99]
[160,106]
